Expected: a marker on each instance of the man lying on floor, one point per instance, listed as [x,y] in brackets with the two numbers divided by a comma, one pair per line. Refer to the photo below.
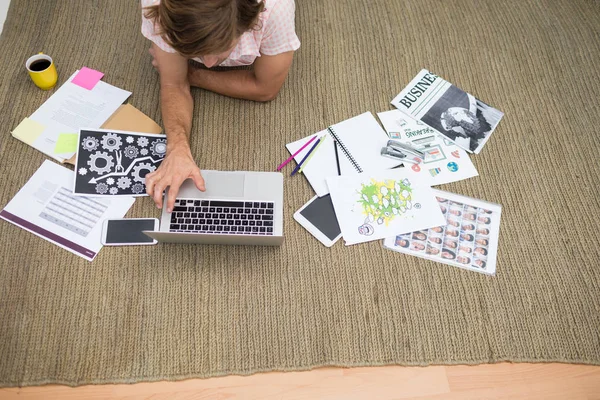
[214,33]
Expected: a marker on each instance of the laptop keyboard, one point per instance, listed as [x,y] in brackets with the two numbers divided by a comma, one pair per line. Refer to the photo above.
[222,217]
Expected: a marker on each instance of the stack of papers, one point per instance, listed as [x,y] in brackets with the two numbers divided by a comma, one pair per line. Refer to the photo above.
[82,102]
[47,205]
[377,198]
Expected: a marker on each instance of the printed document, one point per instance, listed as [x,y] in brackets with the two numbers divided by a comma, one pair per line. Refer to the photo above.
[46,207]
[72,107]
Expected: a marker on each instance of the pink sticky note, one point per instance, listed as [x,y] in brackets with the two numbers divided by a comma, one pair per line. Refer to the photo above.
[87,78]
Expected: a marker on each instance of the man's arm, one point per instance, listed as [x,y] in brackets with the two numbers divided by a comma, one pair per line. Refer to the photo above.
[262,83]
[175,97]
[177,106]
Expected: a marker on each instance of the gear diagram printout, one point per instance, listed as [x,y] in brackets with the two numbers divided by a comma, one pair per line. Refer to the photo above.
[113,163]
[46,207]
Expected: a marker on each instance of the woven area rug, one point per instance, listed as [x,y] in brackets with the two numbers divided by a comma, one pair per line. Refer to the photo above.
[179,311]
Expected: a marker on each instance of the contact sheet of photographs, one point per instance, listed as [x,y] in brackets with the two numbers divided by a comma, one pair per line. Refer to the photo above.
[469,239]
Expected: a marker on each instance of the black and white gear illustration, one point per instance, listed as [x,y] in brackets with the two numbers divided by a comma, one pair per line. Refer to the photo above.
[142,141]
[159,147]
[111,141]
[90,143]
[115,163]
[100,162]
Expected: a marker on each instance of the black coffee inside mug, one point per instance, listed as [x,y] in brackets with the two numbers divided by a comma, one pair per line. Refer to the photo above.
[39,65]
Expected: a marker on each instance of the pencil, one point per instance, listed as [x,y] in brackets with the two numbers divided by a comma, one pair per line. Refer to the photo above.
[337,158]
[305,157]
[283,164]
[313,152]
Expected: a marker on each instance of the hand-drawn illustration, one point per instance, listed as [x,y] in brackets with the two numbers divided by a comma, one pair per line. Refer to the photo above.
[113,163]
[366,229]
[382,201]
[374,206]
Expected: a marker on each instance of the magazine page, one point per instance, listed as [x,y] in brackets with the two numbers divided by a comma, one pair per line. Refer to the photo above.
[444,162]
[456,114]
[469,239]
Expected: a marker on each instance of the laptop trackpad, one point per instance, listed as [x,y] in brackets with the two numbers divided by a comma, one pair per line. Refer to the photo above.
[224,184]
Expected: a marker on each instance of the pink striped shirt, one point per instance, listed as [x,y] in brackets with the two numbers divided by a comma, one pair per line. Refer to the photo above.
[276,35]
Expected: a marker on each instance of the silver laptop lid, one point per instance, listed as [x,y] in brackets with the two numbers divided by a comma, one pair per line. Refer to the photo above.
[219,185]
[242,185]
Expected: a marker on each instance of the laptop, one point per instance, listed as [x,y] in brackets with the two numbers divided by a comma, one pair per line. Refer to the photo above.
[238,207]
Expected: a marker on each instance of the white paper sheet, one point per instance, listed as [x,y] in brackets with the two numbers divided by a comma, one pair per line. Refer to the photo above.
[467,239]
[73,107]
[46,207]
[444,161]
[363,138]
[370,206]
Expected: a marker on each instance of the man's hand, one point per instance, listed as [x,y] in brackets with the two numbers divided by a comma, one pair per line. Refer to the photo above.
[177,166]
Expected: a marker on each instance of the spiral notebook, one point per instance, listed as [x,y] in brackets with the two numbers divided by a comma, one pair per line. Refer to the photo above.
[358,140]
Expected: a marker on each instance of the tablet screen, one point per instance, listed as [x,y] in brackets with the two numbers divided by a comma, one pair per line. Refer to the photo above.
[320,213]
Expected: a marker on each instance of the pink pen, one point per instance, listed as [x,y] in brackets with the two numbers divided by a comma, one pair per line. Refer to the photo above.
[283,164]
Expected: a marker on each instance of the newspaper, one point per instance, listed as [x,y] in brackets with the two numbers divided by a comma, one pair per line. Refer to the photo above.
[456,114]
[468,240]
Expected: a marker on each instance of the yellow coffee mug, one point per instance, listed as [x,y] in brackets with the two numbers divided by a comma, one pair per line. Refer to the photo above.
[42,71]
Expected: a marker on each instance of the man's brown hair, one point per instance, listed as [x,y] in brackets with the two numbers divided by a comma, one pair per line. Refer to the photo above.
[203,27]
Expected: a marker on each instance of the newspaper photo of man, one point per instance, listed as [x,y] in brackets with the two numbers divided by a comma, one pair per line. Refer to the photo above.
[462,118]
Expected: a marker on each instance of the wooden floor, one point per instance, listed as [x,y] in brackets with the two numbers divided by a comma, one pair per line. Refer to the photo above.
[497,381]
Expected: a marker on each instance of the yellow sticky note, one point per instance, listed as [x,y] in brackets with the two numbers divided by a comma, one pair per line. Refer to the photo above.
[66,143]
[28,131]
